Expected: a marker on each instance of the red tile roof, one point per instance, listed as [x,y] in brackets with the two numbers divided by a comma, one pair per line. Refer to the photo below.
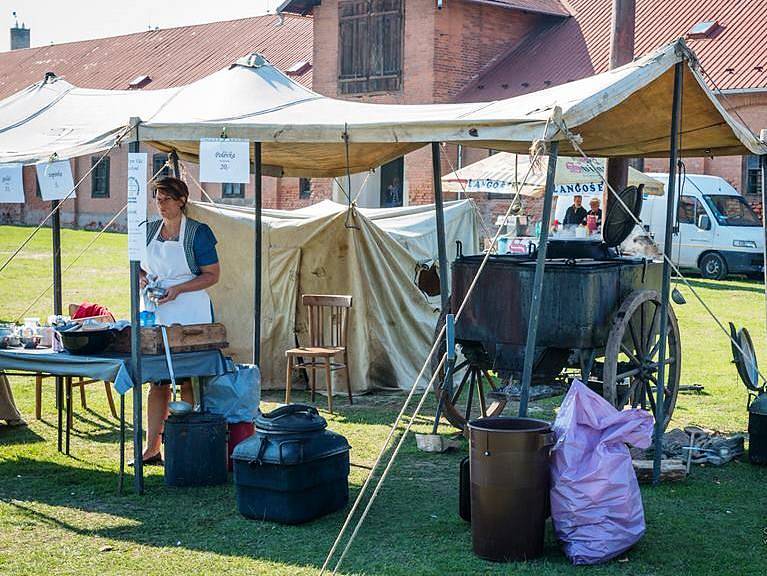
[171,57]
[550,7]
[735,55]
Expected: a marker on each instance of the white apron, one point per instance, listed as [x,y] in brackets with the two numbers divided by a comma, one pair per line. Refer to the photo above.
[167,261]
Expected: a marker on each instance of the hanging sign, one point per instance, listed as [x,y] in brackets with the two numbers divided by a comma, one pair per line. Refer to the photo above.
[579,189]
[11,184]
[225,160]
[55,179]
[137,180]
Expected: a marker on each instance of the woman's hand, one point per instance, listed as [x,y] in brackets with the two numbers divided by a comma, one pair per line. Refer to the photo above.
[172,294]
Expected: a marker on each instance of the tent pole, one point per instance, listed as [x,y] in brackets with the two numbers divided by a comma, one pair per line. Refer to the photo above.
[57,309]
[763,167]
[444,270]
[135,345]
[540,264]
[666,284]
[257,191]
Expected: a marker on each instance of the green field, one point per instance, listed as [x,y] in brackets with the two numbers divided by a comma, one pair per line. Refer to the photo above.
[62,515]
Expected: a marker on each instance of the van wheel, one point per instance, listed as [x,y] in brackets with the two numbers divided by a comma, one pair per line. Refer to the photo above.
[713,267]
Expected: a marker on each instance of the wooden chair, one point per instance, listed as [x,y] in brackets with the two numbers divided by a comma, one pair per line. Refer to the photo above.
[328,323]
[71,382]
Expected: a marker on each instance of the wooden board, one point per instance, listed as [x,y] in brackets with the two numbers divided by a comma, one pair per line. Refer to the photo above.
[670,470]
[188,338]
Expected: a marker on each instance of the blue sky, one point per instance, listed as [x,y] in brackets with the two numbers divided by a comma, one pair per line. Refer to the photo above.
[69,20]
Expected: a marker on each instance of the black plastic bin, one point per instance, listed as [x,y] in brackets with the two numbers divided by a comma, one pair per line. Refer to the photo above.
[195,450]
[292,469]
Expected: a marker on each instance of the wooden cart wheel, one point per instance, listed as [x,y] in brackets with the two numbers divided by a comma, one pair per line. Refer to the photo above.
[631,365]
[475,393]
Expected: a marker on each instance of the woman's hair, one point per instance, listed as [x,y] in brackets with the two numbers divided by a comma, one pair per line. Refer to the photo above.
[173,187]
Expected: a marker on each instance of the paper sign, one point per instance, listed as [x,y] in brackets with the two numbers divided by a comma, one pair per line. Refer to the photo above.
[137,179]
[581,189]
[11,184]
[225,161]
[55,180]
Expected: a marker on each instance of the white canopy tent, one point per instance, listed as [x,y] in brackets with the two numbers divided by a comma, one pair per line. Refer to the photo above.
[632,111]
[503,173]
[304,133]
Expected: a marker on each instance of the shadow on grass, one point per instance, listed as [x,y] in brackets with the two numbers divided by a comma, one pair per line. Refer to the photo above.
[10,436]
[723,285]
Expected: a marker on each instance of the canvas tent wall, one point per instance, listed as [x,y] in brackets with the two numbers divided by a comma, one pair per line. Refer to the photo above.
[304,133]
[371,256]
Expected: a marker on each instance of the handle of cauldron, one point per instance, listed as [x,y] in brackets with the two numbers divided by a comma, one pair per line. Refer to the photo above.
[548,439]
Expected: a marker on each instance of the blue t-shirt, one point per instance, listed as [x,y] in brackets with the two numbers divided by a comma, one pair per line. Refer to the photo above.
[204,246]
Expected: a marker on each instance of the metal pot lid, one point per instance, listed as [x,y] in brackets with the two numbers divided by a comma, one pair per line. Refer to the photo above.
[745,361]
[618,223]
[291,419]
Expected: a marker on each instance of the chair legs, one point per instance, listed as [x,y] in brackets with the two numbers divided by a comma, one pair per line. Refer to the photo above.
[329,384]
[348,381]
[110,399]
[288,378]
[38,396]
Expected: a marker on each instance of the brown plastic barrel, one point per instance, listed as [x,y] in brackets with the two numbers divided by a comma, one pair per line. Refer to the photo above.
[509,472]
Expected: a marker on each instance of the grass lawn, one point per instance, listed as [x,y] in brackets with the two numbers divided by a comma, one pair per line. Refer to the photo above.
[62,515]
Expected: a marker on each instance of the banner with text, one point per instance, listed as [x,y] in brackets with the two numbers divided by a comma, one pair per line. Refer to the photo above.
[11,184]
[55,179]
[224,160]
[137,180]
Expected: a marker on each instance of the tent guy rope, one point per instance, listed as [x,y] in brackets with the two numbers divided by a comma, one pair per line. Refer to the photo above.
[84,250]
[398,419]
[18,250]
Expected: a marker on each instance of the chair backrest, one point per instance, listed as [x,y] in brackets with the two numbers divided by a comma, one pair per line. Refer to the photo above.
[328,319]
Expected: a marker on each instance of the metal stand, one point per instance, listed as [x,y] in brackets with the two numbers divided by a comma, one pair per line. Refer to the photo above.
[535,306]
[763,167]
[257,191]
[666,284]
[447,384]
[444,269]
[138,432]
[57,308]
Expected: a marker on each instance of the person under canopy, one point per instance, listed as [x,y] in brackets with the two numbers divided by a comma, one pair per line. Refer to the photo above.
[576,214]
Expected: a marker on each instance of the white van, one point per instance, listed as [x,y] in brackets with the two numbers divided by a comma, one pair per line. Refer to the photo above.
[718,232]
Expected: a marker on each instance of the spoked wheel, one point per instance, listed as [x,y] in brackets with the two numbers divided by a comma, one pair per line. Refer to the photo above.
[631,366]
[474,392]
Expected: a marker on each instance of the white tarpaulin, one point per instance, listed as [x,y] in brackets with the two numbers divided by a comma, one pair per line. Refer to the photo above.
[371,254]
[501,173]
[623,112]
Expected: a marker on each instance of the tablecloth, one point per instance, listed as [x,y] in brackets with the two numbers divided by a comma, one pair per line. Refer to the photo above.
[113,367]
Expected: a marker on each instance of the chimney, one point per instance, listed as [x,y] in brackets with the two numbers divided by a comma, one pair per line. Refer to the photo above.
[621,52]
[19,37]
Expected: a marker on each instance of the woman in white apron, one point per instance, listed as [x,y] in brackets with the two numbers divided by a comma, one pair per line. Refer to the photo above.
[181,255]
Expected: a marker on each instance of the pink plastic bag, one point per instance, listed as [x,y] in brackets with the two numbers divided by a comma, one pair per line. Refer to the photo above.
[596,506]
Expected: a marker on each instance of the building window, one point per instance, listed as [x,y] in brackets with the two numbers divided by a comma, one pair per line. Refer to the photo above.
[392,190]
[753,175]
[100,177]
[232,190]
[304,188]
[157,162]
[370,43]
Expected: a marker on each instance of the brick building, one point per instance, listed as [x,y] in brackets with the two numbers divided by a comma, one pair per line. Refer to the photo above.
[405,51]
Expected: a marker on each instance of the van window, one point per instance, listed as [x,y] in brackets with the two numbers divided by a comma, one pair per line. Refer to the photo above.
[732,210]
[689,210]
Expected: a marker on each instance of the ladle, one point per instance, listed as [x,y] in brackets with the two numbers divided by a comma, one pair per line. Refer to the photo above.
[176,407]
